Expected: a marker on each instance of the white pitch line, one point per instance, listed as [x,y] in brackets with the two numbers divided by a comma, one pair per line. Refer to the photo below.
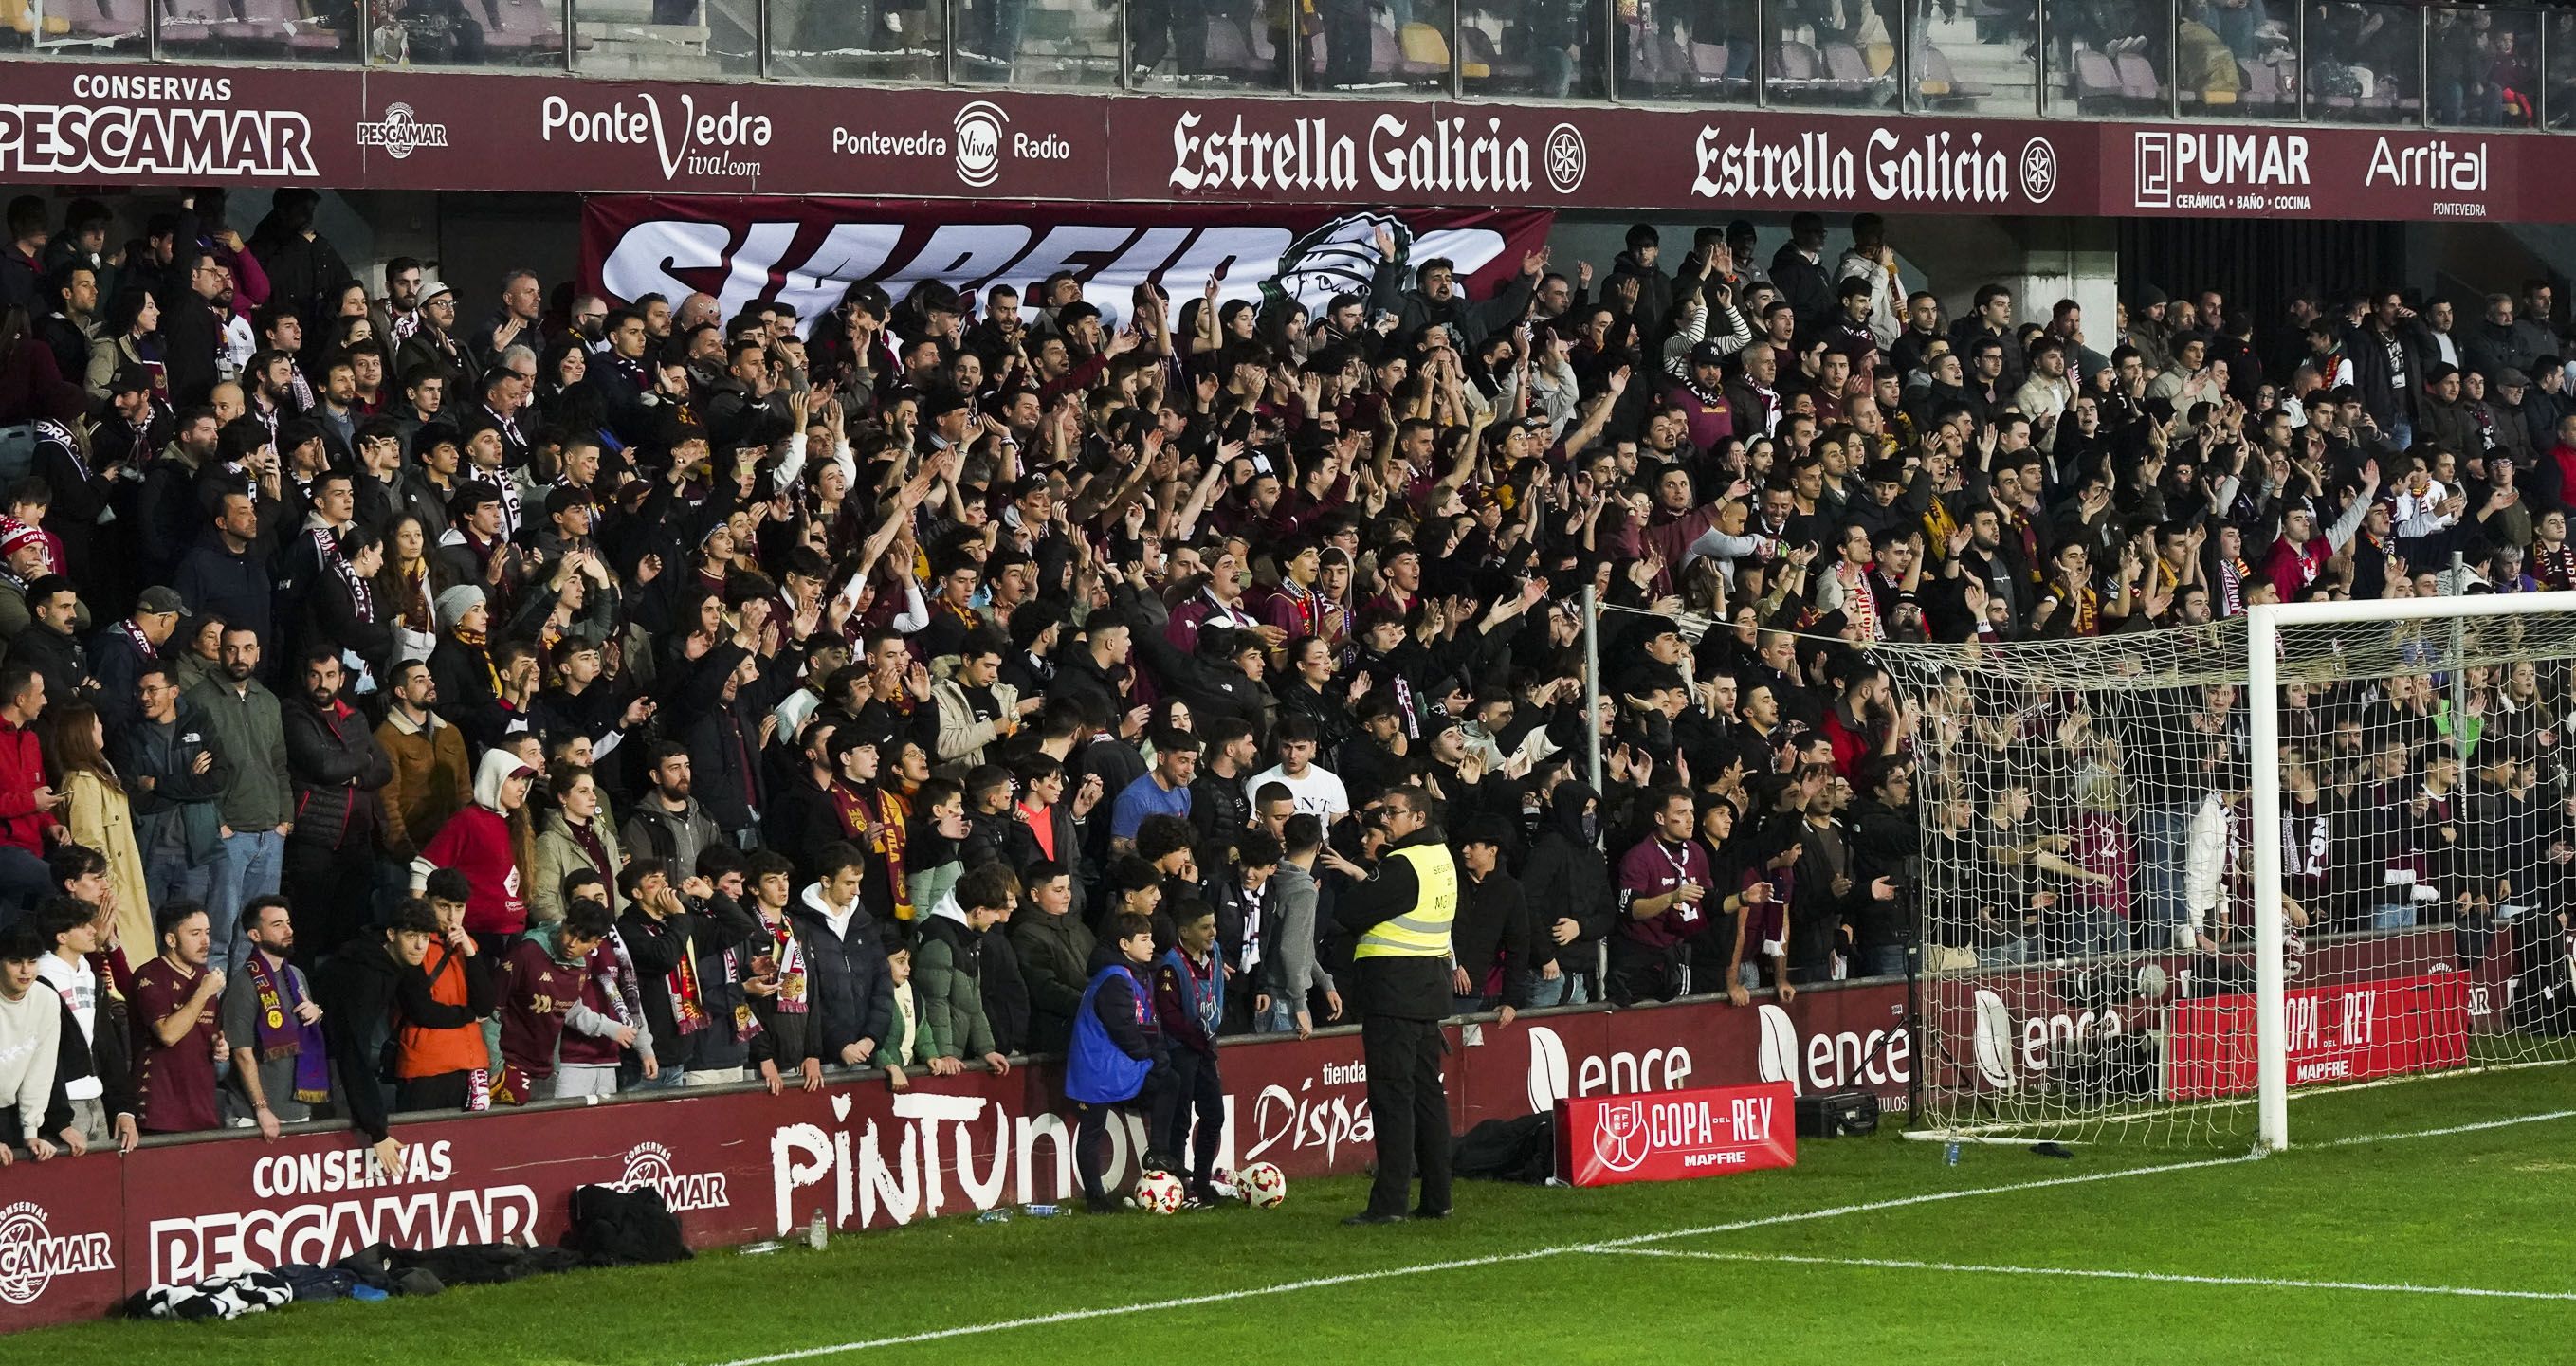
[1606,1245]
[1148,1307]
[2172,1278]
[2454,1129]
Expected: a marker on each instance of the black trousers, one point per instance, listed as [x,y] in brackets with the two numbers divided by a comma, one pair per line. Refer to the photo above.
[1410,1109]
[442,1091]
[1194,1088]
[331,893]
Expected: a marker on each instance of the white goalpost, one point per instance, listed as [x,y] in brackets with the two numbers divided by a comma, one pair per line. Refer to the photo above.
[2169,878]
[2268,629]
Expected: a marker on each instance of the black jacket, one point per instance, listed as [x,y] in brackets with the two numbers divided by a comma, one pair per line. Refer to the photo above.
[337,767]
[851,997]
[1567,876]
[1007,1007]
[1402,987]
[1493,925]
[355,988]
[1053,951]
[59,658]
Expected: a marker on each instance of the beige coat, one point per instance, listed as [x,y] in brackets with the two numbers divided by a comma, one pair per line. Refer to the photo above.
[100,819]
[559,853]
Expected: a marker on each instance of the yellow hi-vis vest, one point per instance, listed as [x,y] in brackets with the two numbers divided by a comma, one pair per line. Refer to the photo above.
[1422,932]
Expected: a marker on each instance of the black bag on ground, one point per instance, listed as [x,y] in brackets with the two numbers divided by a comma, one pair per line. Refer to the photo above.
[1522,1150]
[1837,1114]
[616,1226]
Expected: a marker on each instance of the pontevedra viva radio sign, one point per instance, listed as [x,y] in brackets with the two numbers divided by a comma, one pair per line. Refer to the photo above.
[1675,1135]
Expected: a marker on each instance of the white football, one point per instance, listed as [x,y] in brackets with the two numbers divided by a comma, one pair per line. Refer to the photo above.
[1158,1193]
[1261,1186]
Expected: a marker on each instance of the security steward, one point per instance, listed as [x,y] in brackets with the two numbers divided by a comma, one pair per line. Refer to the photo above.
[1400,914]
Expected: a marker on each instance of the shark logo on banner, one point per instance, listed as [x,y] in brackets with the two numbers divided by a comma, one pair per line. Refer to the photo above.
[808,254]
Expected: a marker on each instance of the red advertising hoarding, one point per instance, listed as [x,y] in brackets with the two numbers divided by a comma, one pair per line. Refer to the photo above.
[65,121]
[77,1234]
[1676,1135]
[2354,1032]
[806,252]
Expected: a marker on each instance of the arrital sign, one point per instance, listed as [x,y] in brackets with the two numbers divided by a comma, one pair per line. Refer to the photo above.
[71,122]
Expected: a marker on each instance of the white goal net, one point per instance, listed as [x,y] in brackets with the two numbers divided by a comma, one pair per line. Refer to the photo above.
[2112,832]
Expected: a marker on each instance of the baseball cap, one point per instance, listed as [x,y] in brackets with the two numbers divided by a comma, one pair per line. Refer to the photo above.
[1708,353]
[431,289]
[157,600]
[131,379]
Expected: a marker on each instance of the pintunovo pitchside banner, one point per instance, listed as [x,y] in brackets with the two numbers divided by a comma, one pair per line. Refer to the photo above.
[807,252]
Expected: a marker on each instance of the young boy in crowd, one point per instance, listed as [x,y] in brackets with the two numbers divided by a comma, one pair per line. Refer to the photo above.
[935,849]
[1189,1001]
[778,962]
[31,1024]
[1116,1042]
[562,1021]
[442,1050]
[902,1046]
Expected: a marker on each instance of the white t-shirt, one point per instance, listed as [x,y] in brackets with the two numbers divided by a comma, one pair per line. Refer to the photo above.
[78,986]
[1318,794]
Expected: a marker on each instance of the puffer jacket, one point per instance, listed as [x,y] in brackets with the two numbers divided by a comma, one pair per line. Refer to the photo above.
[337,767]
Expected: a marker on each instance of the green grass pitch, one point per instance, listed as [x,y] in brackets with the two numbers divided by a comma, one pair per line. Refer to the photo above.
[2358,1245]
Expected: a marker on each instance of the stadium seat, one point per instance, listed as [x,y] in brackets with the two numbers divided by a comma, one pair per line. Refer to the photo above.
[1229,51]
[2138,79]
[1795,69]
[1846,70]
[1476,47]
[1422,53]
[1938,80]
[1723,69]
[191,21]
[2095,82]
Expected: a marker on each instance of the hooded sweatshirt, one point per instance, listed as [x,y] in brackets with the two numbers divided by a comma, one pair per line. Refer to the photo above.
[478,842]
[948,970]
[1568,877]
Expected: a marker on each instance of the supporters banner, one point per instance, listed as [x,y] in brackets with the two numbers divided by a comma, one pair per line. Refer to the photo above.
[1676,1135]
[807,252]
[77,1234]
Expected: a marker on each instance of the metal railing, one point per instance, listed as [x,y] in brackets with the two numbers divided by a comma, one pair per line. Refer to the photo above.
[2386,62]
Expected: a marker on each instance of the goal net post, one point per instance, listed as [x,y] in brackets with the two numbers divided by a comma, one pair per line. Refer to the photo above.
[2171,877]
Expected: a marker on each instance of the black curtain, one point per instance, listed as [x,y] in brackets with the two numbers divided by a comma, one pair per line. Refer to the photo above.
[2258,264]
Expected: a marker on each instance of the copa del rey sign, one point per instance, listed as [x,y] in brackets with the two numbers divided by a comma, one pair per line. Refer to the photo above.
[1675,1135]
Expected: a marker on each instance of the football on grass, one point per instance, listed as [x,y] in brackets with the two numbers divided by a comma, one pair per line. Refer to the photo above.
[1261,1186]
[1158,1193]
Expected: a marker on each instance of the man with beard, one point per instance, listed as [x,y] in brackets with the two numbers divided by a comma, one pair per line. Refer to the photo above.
[281,1071]
[175,1001]
[428,777]
[338,771]
[667,823]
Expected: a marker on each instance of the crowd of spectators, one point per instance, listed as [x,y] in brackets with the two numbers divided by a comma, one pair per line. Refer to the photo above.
[425,700]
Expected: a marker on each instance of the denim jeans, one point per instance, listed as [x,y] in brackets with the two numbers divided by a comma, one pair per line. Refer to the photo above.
[24,881]
[2096,932]
[167,876]
[1543,992]
[2164,834]
[250,867]
[2395,916]
[1885,960]
[1280,1018]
